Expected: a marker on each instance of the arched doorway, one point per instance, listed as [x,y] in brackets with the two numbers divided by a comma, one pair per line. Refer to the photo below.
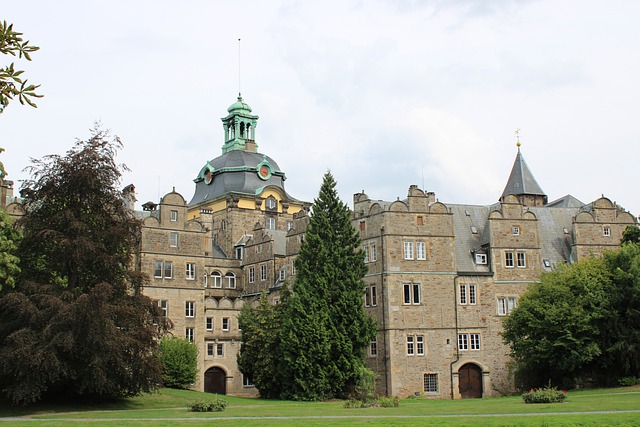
[470,381]
[215,381]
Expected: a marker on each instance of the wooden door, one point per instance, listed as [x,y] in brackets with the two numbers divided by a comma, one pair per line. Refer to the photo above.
[215,381]
[470,381]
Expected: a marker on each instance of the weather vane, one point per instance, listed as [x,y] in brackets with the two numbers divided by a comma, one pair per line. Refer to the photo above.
[517,132]
[239,91]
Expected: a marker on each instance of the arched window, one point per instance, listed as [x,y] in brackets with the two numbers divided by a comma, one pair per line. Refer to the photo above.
[216,280]
[230,281]
[205,280]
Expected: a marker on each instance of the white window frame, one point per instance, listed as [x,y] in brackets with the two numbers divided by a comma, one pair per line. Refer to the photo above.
[226,324]
[470,341]
[270,223]
[289,225]
[408,250]
[281,274]
[430,382]
[158,269]
[190,271]
[263,272]
[247,381]
[173,239]
[252,274]
[230,280]
[468,293]
[509,261]
[168,269]
[606,231]
[515,230]
[372,252]
[421,250]
[374,296]
[189,334]
[365,249]
[211,349]
[173,216]
[216,279]
[481,259]
[473,294]
[373,348]
[474,342]
[521,259]
[209,324]
[412,290]
[420,345]
[411,345]
[506,304]
[164,306]
[189,309]
[463,342]
[462,294]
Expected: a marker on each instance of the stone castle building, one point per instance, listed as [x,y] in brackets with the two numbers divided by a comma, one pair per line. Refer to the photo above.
[441,277]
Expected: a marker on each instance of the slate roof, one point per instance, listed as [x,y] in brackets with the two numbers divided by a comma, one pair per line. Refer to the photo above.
[237,172]
[521,180]
[555,244]
[468,242]
[567,201]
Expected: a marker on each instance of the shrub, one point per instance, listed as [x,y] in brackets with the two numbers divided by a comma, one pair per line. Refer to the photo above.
[214,405]
[352,403]
[388,402]
[628,381]
[544,395]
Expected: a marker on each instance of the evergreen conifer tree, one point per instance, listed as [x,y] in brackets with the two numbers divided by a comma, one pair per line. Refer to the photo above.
[325,329]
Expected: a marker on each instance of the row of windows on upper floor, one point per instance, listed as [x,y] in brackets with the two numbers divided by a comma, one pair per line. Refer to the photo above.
[164,270]
[190,311]
[282,272]
[467,295]
[415,344]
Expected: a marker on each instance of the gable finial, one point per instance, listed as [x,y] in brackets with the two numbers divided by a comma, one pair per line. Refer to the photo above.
[517,132]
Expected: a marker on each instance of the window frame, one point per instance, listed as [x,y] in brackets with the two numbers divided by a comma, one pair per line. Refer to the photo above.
[158,269]
[430,382]
[372,253]
[167,269]
[263,272]
[412,290]
[209,324]
[509,259]
[216,277]
[252,274]
[515,230]
[421,251]
[189,309]
[419,345]
[211,349]
[226,324]
[173,239]
[230,280]
[521,259]
[408,250]
[373,348]
[190,271]
[164,306]
[481,259]
[606,231]
[173,216]
[220,350]
[411,345]
[270,223]
[189,334]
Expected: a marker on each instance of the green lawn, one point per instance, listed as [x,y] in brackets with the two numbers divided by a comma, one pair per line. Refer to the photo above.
[601,407]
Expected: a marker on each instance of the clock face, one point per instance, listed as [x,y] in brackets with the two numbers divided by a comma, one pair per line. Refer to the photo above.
[264,171]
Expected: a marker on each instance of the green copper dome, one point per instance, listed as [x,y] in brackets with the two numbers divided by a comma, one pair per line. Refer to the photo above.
[239,105]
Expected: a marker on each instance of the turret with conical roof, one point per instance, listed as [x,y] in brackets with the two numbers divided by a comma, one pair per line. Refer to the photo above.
[523,185]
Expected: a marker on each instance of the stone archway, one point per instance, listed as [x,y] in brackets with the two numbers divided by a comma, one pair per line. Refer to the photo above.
[215,381]
[470,381]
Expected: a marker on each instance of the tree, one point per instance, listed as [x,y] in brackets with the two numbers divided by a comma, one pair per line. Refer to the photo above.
[259,355]
[75,324]
[9,241]
[325,329]
[554,333]
[11,84]
[179,362]
[631,235]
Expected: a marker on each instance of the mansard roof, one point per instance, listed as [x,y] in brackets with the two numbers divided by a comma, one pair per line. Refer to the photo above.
[521,181]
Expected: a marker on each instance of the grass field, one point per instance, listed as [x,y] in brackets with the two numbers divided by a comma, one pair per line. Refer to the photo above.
[601,407]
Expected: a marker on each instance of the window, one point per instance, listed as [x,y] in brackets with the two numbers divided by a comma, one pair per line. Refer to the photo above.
[263,272]
[370,296]
[259,249]
[463,342]
[216,279]
[230,281]
[506,305]
[189,308]
[190,271]
[271,203]
[463,294]
[210,349]
[464,339]
[372,252]
[475,341]
[410,346]
[515,230]
[374,296]
[411,293]
[408,250]
[420,220]
[164,306]
[173,239]
[521,259]
[219,350]
[421,250]
[252,274]
[174,216]
[289,225]
[293,268]
[373,348]
[508,259]
[209,324]
[158,269]
[247,381]
[239,252]
[362,226]
[468,294]
[430,383]
[225,323]
[420,345]
[281,275]
[188,334]
[205,279]
[270,223]
[472,294]
[168,269]
[606,231]
[366,253]
[481,259]
[547,263]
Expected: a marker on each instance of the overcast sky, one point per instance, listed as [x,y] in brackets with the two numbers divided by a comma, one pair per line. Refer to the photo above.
[384,94]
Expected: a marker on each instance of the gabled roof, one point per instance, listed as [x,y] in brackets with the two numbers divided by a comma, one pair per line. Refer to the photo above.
[521,180]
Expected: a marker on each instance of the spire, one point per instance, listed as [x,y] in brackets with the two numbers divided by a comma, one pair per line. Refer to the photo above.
[522,184]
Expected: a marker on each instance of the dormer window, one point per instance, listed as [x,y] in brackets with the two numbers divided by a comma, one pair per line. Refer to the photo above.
[481,259]
[271,203]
